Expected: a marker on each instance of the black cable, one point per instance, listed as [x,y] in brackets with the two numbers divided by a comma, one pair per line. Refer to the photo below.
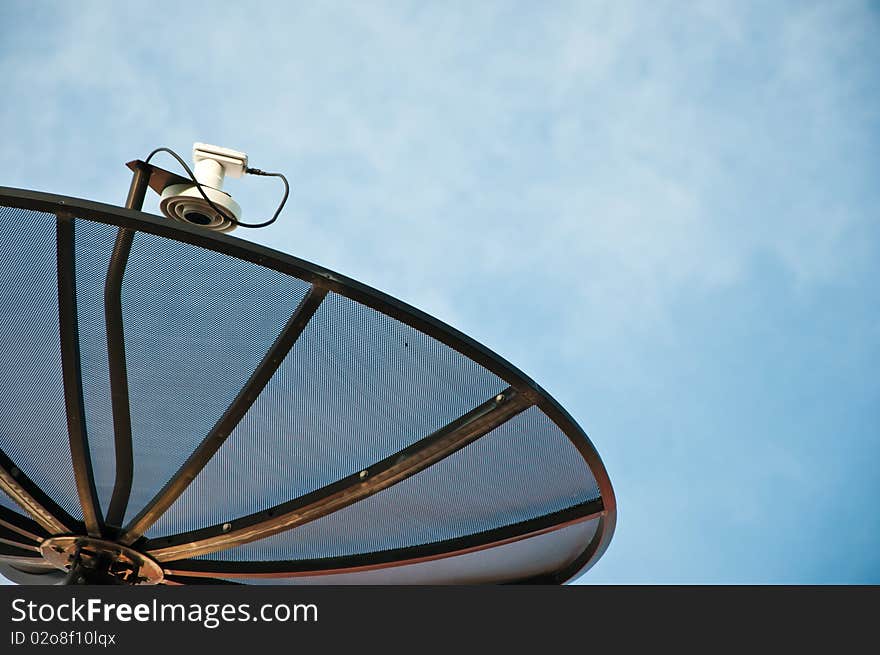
[257,171]
[250,171]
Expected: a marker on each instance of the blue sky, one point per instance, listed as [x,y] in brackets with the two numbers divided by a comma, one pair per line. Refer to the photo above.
[666,214]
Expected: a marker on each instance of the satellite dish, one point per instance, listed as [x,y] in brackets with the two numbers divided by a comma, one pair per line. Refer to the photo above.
[179,406]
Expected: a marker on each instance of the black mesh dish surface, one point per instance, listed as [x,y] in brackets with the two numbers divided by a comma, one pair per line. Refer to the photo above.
[286,424]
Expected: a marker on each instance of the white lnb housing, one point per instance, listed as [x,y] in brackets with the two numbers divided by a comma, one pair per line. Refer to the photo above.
[184,202]
[212,163]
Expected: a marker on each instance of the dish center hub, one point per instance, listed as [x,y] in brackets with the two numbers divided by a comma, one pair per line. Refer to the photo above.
[97,561]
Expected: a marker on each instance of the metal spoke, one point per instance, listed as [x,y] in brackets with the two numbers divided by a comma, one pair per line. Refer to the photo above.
[348,490]
[21,556]
[116,350]
[11,538]
[21,525]
[231,417]
[393,557]
[118,378]
[33,500]
[68,327]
